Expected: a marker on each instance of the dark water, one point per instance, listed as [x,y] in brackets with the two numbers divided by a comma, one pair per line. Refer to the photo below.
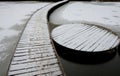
[108,68]
[108,65]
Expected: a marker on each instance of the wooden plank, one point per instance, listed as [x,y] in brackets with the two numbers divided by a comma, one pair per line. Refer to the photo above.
[116,43]
[111,42]
[15,62]
[32,70]
[87,39]
[102,44]
[81,34]
[82,38]
[66,33]
[33,64]
[93,39]
[98,42]
[65,40]
[61,31]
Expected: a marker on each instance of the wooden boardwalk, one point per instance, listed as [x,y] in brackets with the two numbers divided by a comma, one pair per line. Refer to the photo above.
[35,55]
[83,37]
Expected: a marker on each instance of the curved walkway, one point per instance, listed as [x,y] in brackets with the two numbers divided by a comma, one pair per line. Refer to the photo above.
[35,54]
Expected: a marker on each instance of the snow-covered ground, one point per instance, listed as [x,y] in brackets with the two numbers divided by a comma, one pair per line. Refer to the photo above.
[106,14]
[13,18]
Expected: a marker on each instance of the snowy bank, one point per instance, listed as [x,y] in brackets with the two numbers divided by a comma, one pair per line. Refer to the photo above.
[13,18]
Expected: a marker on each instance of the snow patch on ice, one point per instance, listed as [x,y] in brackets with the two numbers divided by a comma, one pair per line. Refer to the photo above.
[14,13]
[77,11]
[107,14]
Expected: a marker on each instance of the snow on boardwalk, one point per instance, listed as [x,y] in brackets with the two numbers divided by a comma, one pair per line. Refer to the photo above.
[34,55]
[83,37]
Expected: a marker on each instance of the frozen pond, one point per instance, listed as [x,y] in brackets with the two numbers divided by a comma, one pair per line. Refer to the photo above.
[13,18]
[102,14]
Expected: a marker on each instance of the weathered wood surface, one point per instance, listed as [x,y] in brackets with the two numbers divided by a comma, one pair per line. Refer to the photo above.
[35,55]
[83,37]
